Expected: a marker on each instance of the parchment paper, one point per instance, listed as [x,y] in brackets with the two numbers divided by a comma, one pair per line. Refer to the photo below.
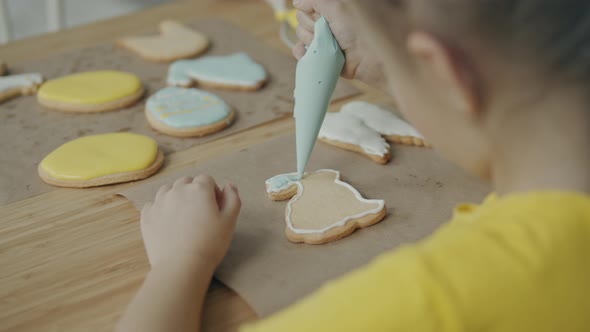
[28,131]
[269,272]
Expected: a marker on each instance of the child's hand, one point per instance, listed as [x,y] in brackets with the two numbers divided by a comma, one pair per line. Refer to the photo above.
[190,222]
[360,64]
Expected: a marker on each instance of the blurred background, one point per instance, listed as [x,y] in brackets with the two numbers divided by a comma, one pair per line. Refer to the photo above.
[25,18]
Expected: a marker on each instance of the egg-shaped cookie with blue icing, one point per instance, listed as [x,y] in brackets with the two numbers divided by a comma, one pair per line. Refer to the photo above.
[236,71]
[187,112]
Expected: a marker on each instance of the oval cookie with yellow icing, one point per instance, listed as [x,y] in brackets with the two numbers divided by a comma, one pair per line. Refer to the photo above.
[101,159]
[93,91]
[187,112]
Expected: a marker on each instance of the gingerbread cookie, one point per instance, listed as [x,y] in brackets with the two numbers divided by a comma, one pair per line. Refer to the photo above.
[351,133]
[176,41]
[187,112]
[232,72]
[385,122]
[3,68]
[15,85]
[322,208]
[101,159]
[92,91]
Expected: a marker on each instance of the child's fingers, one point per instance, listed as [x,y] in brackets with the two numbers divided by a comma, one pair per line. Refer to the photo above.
[304,35]
[219,197]
[231,203]
[205,180]
[298,50]
[163,189]
[205,185]
[181,181]
[310,7]
[304,5]
[305,21]
[145,209]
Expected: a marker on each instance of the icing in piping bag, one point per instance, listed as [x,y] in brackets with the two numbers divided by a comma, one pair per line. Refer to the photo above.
[315,79]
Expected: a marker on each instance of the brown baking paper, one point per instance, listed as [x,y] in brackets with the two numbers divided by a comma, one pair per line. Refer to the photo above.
[269,272]
[28,131]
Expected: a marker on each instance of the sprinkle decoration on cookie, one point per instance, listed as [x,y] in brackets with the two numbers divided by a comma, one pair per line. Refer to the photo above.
[322,208]
[187,112]
[234,72]
[182,108]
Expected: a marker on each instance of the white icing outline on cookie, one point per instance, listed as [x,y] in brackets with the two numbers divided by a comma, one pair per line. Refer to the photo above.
[337,180]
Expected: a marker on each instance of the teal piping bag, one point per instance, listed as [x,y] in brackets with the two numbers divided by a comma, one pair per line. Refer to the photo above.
[315,80]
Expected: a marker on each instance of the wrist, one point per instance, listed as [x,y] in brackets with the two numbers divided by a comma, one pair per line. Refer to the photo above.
[186,266]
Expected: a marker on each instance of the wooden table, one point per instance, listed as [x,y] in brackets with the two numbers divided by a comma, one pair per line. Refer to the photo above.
[70,260]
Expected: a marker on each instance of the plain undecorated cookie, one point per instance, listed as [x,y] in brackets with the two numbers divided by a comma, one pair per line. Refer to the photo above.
[100,160]
[92,91]
[16,85]
[236,71]
[322,208]
[187,112]
[175,41]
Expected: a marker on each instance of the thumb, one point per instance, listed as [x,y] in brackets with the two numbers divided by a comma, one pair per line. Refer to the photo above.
[298,50]
[232,203]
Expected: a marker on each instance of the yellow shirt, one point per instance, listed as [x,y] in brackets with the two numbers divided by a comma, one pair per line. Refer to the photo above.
[517,263]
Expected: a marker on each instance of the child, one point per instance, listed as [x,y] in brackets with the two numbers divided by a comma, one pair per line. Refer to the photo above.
[498,86]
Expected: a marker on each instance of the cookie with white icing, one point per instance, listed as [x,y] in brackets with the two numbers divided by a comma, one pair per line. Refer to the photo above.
[322,208]
[232,72]
[351,133]
[175,41]
[385,122]
[16,85]
[187,112]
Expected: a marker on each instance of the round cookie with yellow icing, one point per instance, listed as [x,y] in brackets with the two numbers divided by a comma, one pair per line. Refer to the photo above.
[103,159]
[92,91]
[187,112]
